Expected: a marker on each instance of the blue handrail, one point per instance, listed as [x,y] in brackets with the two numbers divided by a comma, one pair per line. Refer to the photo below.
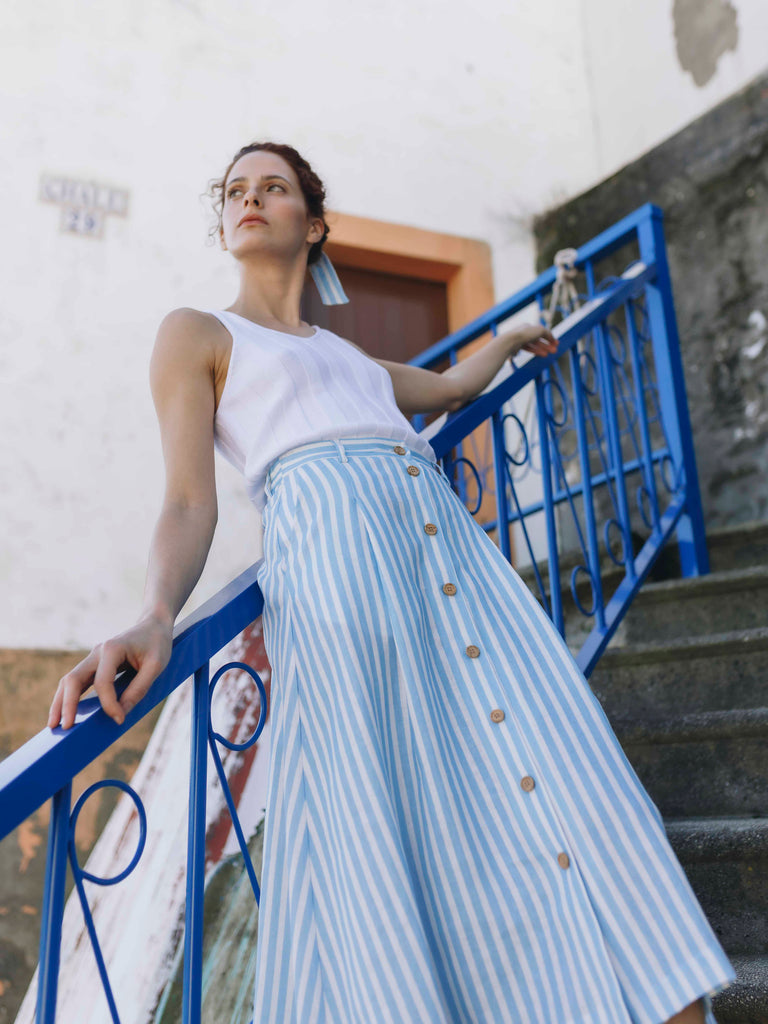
[607,410]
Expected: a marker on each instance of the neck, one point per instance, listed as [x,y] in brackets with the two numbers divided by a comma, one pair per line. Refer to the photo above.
[270,292]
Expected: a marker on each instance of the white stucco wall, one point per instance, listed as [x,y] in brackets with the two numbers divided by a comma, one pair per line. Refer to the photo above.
[467,124]
[638,92]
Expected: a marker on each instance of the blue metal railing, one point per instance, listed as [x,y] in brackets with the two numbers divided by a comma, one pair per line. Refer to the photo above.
[609,408]
[606,412]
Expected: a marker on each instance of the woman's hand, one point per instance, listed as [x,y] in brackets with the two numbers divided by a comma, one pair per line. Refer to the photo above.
[532,338]
[145,647]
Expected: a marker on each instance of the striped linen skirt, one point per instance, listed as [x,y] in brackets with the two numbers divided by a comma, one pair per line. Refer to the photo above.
[453,834]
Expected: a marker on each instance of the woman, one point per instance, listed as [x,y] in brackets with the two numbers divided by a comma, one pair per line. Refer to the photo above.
[453,833]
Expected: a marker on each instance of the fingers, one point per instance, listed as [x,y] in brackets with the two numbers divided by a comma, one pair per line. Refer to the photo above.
[98,669]
[535,338]
[146,651]
[543,345]
[113,655]
[538,348]
[68,692]
[150,669]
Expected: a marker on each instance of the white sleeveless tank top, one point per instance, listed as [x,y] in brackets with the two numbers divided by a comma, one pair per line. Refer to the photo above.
[283,390]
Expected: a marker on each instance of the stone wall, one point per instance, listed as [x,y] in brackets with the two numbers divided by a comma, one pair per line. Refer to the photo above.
[711,181]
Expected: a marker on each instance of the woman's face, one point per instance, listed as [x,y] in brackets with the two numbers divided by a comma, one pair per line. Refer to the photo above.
[264,209]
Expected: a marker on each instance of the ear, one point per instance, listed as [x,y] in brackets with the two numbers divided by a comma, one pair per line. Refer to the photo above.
[222,243]
[316,230]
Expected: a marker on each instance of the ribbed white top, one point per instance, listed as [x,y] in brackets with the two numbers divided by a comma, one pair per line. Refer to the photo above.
[283,390]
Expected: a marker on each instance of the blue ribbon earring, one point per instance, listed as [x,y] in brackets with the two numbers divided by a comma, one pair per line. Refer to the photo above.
[327,280]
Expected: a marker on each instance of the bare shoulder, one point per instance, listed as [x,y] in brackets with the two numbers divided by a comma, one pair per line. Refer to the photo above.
[189,327]
[187,341]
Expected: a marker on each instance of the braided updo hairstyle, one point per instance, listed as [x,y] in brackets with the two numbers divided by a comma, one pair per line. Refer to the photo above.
[311,187]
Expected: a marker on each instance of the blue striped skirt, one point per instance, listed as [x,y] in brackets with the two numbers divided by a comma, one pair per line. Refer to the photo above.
[453,834]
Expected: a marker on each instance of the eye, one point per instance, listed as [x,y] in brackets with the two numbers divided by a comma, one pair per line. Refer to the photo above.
[231,191]
[275,184]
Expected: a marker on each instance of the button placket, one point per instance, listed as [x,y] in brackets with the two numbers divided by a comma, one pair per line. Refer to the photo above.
[528,783]
[448,587]
[472,651]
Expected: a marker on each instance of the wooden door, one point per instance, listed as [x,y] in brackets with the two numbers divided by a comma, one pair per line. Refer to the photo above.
[390,316]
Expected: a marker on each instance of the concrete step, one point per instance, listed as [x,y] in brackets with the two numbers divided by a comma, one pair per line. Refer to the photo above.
[702,763]
[726,862]
[610,573]
[740,546]
[746,1000]
[672,609]
[715,673]
[699,606]
[733,550]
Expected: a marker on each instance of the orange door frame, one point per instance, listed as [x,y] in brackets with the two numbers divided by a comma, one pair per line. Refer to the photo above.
[463,264]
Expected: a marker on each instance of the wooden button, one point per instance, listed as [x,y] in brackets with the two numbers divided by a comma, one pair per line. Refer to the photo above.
[430,528]
[497,715]
[414,470]
[473,652]
[563,860]
[449,588]
[399,449]
[527,783]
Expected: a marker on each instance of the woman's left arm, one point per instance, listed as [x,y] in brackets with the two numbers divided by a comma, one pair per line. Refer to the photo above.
[418,390]
[477,370]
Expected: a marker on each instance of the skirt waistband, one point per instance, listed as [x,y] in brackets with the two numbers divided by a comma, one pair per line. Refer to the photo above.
[343,449]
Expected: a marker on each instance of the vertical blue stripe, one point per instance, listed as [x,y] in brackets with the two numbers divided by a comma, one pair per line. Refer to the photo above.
[409,877]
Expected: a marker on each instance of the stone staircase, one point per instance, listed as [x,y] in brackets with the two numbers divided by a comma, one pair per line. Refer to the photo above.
[683,683]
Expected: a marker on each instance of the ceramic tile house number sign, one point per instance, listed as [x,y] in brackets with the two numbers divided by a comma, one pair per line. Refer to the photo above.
[84,204]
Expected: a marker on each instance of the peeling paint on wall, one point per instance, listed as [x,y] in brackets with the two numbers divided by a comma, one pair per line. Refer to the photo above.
[704,30]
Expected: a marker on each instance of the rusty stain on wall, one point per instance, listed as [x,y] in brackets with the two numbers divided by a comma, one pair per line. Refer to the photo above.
[28,840]
[704,30]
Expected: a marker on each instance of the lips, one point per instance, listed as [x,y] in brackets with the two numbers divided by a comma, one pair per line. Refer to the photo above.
[252,219]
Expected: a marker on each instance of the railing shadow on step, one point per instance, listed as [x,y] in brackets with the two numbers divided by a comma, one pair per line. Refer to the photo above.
[600,455]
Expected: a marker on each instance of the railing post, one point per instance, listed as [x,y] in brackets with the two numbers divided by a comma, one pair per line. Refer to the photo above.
[615,454]
[500,472]
[555,597]
[593,548]
[53,906]
[691,535]
[193,929]
[642,412]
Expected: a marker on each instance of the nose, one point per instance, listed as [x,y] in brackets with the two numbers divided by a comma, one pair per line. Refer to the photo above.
[252,196]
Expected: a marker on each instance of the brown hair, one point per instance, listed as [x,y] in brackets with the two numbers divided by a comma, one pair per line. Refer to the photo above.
[312,188]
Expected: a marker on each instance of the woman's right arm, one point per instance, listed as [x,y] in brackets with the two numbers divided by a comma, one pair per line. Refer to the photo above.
[182,381]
